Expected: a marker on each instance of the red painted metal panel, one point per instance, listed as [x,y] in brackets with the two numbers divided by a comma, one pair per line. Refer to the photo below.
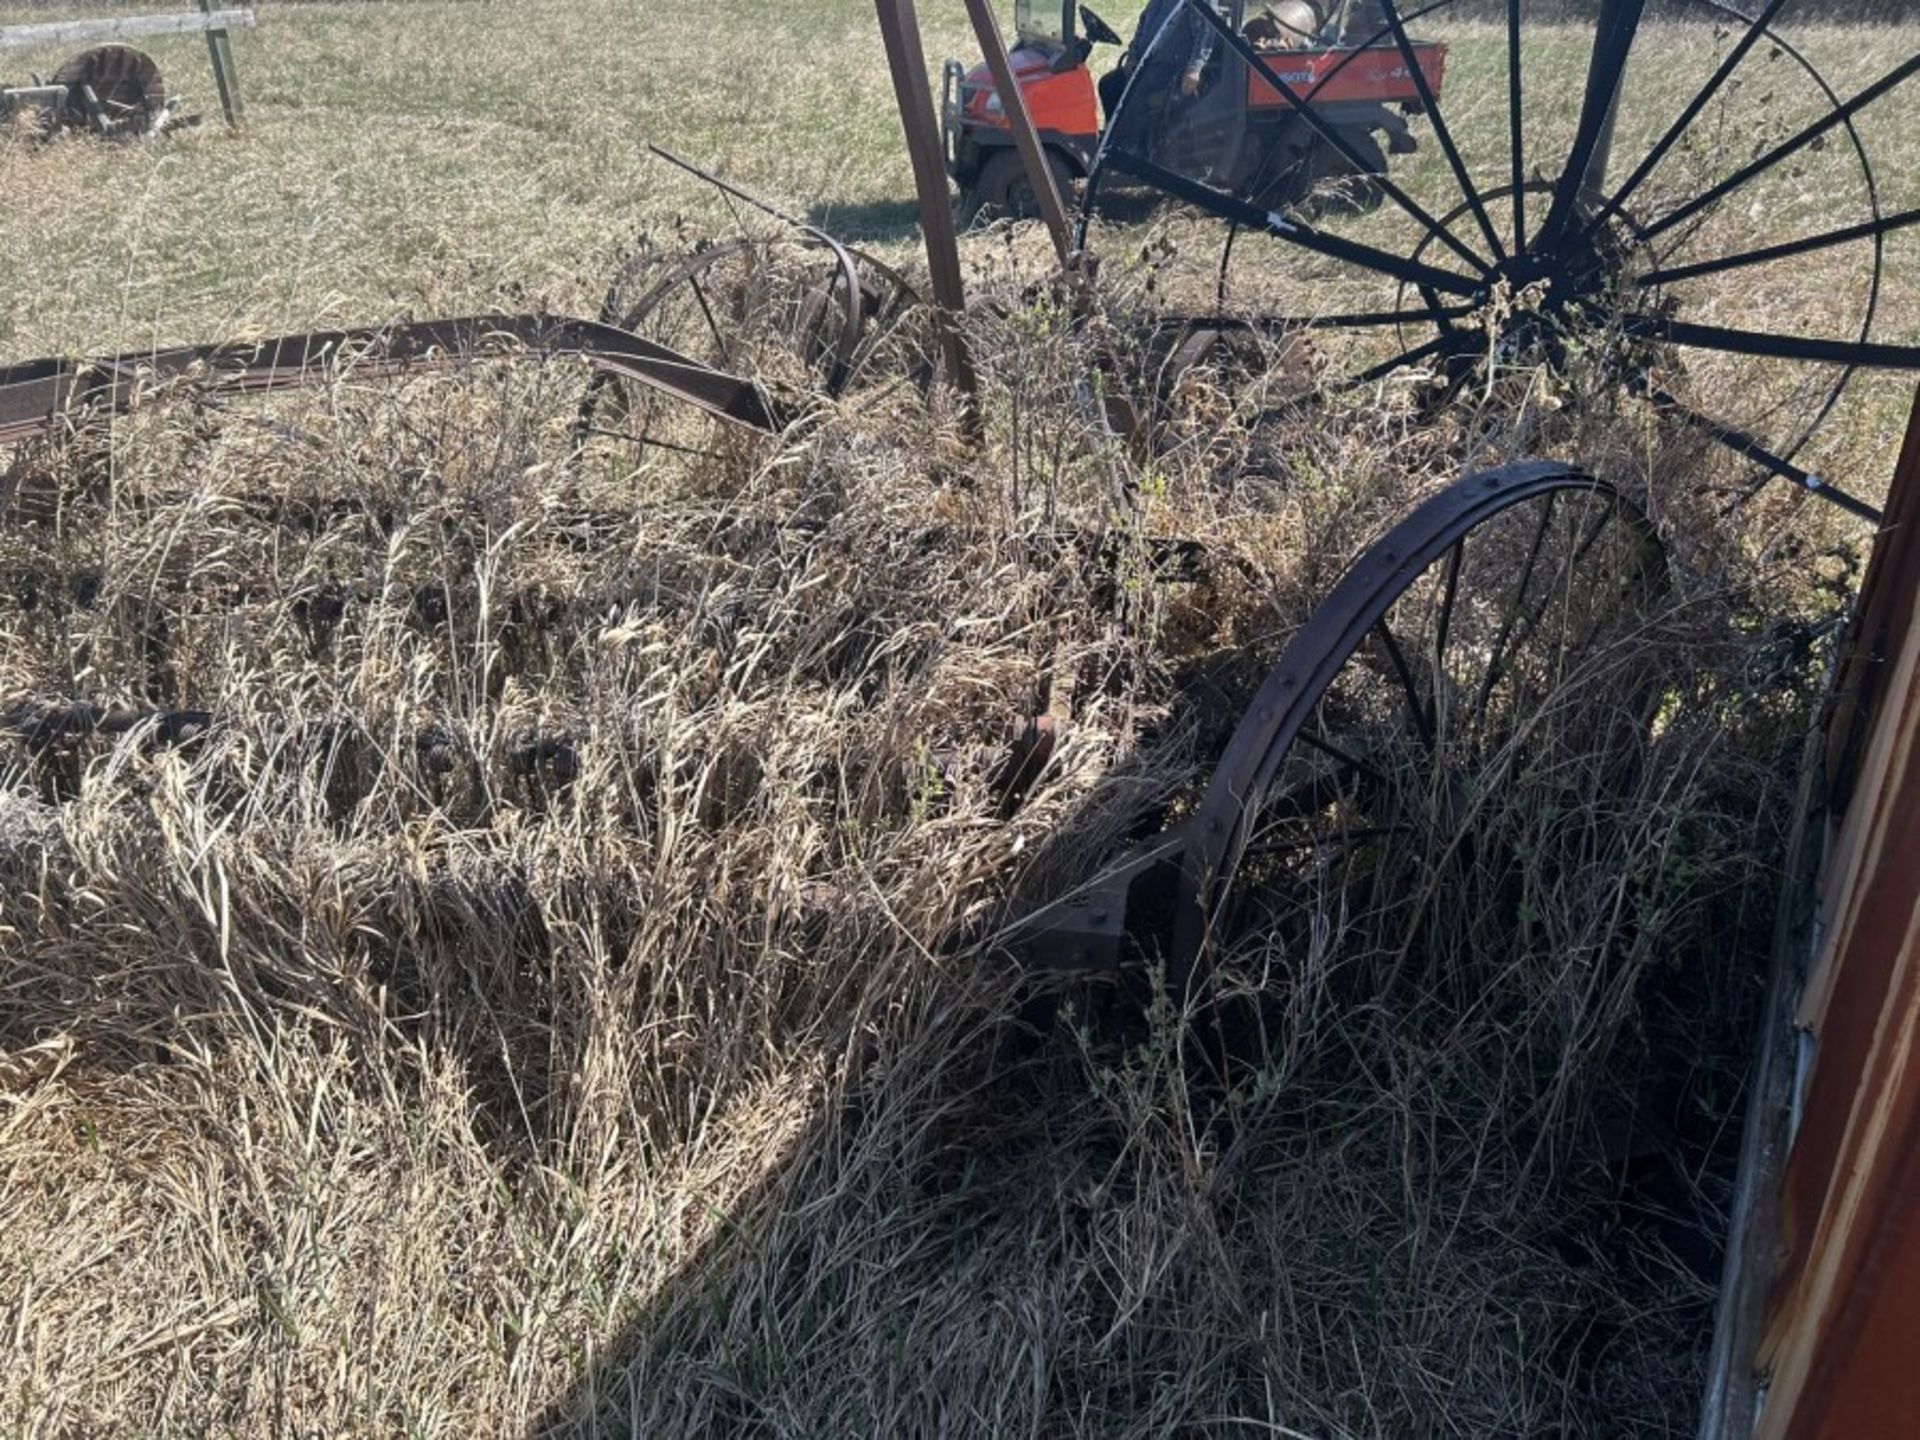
[1375,74]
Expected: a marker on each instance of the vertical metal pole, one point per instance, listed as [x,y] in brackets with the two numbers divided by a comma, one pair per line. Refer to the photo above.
[1026,139]
[1614,32]
[1593,181]
[1593,185]
[900,30]
[225,80]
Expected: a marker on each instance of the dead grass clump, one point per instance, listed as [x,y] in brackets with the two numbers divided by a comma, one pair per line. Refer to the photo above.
[529,999]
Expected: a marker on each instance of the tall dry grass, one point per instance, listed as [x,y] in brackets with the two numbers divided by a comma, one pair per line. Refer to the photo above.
[543,995]
[532,1002]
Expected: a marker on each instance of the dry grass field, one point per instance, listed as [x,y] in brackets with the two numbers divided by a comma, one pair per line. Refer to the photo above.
[366,1070]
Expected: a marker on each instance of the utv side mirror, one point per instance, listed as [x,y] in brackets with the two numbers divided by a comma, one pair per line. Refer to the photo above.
[1097,30]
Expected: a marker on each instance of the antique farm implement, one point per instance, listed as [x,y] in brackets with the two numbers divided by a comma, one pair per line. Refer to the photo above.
[111,89]
[1480,632]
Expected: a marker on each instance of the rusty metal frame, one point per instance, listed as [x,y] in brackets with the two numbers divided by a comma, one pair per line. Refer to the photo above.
[907,62]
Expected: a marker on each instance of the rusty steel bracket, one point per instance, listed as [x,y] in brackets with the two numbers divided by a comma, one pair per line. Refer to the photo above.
[1093,926]
[35,394]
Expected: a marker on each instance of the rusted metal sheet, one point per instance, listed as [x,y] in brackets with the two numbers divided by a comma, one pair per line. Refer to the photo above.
[35,394]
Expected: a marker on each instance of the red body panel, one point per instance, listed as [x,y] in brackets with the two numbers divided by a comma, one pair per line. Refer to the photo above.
[1378,74]
[1063,103]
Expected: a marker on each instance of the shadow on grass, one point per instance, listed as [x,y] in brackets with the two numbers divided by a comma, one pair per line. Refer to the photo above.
[880,1277]
[866,221]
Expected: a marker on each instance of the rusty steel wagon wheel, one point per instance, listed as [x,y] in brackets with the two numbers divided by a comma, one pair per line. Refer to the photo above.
[1489,654]
[1701,229]
[815,317]
[896,340]
[717,305]
[128,95]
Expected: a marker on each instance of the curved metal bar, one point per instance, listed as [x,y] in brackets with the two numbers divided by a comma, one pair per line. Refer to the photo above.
[34,395]
[1216,835]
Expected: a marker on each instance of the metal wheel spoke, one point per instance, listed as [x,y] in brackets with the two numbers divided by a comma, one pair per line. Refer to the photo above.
[1514,126]
[1785,148]
[1368,319]
[1232,208]
[1619,20]
[1568,566]
[1326,747]
[1497,654]
[1440,130]
[700,294]
[1396,658]
[1866,230]
[1450,593]
[1249,56]
[1387,367]
[1779,347]
[1747,446]
[1694,107]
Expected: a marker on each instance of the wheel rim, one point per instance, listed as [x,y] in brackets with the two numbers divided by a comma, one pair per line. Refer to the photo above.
[1452,646]
[768,309]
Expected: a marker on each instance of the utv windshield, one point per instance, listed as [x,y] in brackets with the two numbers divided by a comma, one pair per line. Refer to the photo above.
[1045,22]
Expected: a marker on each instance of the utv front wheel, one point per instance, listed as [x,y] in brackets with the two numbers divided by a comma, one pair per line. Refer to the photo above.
[1003,190]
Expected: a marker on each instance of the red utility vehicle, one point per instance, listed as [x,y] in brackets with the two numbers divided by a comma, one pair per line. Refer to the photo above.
[1239,133]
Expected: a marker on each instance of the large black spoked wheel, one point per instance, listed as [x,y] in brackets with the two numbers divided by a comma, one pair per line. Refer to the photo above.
[1484,663]
[1672,203]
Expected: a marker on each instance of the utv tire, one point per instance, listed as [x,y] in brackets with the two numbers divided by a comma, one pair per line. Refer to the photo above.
[1004,192]
[1335,186]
